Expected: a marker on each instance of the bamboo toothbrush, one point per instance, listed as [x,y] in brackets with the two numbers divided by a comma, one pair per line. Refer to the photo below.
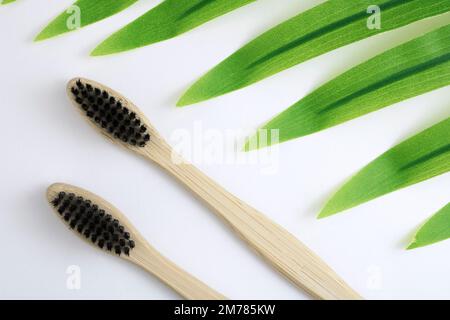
[101,224]
[122,122]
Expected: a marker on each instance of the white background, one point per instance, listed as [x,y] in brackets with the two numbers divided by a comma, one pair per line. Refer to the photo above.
[44,140]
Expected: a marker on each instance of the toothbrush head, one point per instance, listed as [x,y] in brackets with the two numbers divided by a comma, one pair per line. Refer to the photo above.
[111,113]
[92,218]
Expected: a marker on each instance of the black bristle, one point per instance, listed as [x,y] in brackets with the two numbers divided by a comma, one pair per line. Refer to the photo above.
[79,84]
[96,225]
[110,114]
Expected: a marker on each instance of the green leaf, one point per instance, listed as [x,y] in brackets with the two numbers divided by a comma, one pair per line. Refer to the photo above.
[436,229]
[87,11]
[416,67]
[421,157]
[167,20]
[321,29]
[6,1]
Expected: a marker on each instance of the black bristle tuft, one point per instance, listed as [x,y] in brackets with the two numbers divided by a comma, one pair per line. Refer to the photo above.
[92,222]
[110,114]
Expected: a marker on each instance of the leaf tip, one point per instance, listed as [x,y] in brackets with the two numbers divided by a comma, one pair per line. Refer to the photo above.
[329,209]
[262,138]
[186,100]
[247,147]
[106,47]
[181,103]
[413,245]
[41,36]
[196,93]
[324,214]
[98,51]
[252,144]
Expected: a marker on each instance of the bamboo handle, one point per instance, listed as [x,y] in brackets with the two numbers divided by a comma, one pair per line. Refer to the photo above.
[271,241]
[286,253]
[176,278]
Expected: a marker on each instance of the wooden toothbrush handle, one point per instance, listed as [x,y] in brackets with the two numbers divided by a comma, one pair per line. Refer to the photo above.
[286,253]
[176,278]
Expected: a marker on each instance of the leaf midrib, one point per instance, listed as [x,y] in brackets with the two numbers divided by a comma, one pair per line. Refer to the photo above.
[427,157]
[324,30]
[194,9]
[414,70]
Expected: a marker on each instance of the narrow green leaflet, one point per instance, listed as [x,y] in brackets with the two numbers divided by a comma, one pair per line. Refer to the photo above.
[436,229]
[416,67]
[83,13]
[419,158]
[6,1]
[321,29]
[165,21]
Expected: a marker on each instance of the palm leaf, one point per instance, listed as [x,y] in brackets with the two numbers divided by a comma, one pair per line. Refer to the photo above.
[167,20]
[436,229]
[321,29]
[419,158]
[90,11]
[416,67]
